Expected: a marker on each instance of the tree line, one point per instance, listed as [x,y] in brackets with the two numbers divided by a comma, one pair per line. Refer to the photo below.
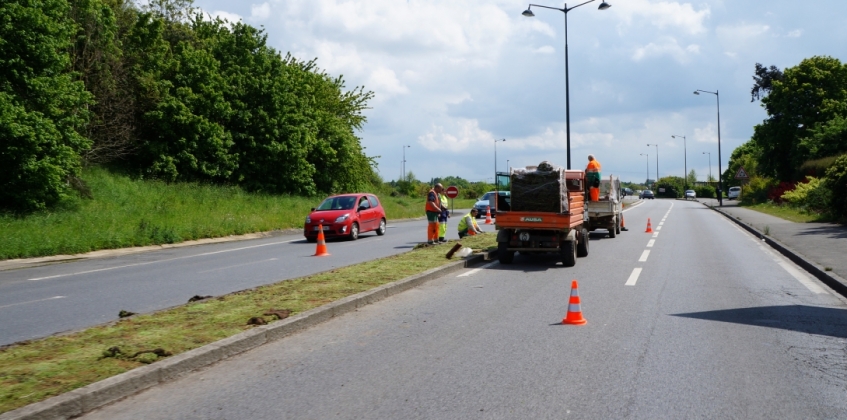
[803,140]
[162,92]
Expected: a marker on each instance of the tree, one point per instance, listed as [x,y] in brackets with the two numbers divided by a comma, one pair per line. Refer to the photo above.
[42,108]
[691,178]
[764,78]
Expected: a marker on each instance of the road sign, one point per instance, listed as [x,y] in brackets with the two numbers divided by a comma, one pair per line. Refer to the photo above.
[741,174]
[452,192]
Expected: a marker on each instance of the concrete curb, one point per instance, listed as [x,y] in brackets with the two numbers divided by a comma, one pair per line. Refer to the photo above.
[82,400]
[834,281]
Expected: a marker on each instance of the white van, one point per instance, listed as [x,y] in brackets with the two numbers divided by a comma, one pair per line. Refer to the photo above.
[734,193]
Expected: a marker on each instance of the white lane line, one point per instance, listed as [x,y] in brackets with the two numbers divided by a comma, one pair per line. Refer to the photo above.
[633,277]
[655,234]
[477,270]
[160,261]
[659,227]
[237,265]
[662,222]
[644,256]
[32,301]
[650,244]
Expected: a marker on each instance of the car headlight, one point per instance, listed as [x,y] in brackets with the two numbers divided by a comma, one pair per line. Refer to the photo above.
[308,219]
[341,219]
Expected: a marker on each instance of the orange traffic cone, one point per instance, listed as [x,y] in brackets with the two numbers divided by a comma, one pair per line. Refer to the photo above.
[321,249]
[488,216]
[649,227]
[574,316]
[623,225]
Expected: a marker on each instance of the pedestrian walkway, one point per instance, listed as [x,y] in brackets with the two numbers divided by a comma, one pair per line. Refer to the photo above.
[822,244]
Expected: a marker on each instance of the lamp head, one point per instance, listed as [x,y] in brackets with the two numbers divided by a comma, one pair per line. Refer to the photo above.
[696,92]
[528,13]
[604,6]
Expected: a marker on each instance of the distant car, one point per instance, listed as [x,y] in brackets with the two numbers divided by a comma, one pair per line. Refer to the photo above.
[734,193]
[690,194]
[485,201]
[646,194]
[626,191]
[346,215]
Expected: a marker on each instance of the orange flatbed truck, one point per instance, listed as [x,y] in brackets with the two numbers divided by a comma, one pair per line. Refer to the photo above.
[563,230]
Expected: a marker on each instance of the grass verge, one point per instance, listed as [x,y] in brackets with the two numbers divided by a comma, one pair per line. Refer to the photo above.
[788,213]
[125,213]
[36,370]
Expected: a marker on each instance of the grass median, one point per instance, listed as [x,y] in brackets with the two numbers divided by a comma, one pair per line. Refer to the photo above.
[36,370]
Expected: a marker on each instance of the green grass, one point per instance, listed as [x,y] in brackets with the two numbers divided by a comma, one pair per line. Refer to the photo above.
[36,370]
[788,213]
[126,212]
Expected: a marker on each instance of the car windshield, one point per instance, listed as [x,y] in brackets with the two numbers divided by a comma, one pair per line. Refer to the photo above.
[690,192]
[338,203]
[485,197]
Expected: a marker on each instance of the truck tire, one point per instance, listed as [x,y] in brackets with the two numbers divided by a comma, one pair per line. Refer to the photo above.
[582,247]
[612,231]
[618,225]
[568,253]
[503,254]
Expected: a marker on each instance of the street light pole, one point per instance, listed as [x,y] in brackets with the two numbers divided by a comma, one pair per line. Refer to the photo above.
[710,165]
[657,160]
[495,161]
[565,10]
[720,183]
[685,153]
[648,168]
[404,162]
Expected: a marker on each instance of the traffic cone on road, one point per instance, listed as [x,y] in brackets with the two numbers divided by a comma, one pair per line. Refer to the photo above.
[488,216]
[623,225]
[574,316]
[649,227]
[321,249]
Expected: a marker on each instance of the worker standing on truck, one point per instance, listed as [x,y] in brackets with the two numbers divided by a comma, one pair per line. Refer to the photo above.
[592,177]
[442,218]
[433,210]
[468,226]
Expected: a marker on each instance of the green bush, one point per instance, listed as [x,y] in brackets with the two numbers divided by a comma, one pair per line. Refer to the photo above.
[836,183]
[756,191]
[812,195]
[705,191]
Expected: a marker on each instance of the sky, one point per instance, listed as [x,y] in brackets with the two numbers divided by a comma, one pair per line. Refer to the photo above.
[450,77]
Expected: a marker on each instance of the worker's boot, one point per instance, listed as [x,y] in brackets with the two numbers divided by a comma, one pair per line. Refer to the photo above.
[442,240]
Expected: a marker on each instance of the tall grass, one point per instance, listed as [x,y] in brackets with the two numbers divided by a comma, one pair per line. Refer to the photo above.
[125,212]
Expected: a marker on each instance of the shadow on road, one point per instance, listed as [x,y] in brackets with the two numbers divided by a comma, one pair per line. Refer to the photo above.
[834,232]
[808,319]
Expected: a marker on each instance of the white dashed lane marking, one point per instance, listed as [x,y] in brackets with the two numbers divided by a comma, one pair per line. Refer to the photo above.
[634,276]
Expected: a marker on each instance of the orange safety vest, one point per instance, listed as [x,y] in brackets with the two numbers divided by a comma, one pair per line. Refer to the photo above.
[593,166]
[433,205]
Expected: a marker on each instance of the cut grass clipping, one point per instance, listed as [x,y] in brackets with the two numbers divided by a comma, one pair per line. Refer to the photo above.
[36,370]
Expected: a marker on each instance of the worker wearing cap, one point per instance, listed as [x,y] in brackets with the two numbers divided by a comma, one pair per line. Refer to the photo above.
[433,210]
[468,226]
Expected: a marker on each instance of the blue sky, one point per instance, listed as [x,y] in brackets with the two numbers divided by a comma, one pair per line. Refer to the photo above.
[450,77]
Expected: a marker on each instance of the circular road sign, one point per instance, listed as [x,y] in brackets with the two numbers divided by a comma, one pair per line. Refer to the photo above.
[452,192]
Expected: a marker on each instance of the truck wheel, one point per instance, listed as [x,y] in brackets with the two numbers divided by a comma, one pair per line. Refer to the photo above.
[618,225]
[582,247]
[503,255]
[612,231]
[568,251]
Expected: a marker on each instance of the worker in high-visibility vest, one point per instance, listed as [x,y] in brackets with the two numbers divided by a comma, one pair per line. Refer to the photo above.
[433,209]
[468,226]
[442,218]
[592,177]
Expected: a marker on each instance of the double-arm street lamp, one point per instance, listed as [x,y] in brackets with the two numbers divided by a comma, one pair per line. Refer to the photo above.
[565,10]
[720,183]
[657,160]
[685,153]
[710,166]
[402,178]
[648,169]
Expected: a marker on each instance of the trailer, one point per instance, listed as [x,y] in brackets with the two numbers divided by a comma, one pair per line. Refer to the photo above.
[545,213]
[606,212]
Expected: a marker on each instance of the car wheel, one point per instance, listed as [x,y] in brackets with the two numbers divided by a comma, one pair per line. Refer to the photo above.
[381,230]
[612,231]
[568,253]
[618,226]
[354,231]
[582,247]
[311,239]
[503,255]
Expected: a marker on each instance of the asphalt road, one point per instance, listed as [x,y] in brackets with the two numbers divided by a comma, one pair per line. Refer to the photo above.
[696,320]
[37,302]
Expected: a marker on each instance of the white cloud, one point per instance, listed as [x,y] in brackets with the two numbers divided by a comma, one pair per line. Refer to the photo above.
[383,80]
[666,46]
[260,11]
[663,14]
[708,134]
[227,16]
[545,50]
[465,135]
[797,33]
[741,32]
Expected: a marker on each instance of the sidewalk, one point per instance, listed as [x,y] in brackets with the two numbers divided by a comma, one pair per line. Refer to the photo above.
[820,248]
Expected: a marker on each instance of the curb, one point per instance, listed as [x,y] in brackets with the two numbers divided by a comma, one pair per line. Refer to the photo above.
[82,400]
[834,281]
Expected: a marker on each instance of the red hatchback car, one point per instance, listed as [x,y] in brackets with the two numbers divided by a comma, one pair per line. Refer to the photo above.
[346,215]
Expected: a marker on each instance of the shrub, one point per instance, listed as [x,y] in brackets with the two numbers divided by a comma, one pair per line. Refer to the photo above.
[836,183]
[776,192]
[705,191]
[810,195]
[756,191]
